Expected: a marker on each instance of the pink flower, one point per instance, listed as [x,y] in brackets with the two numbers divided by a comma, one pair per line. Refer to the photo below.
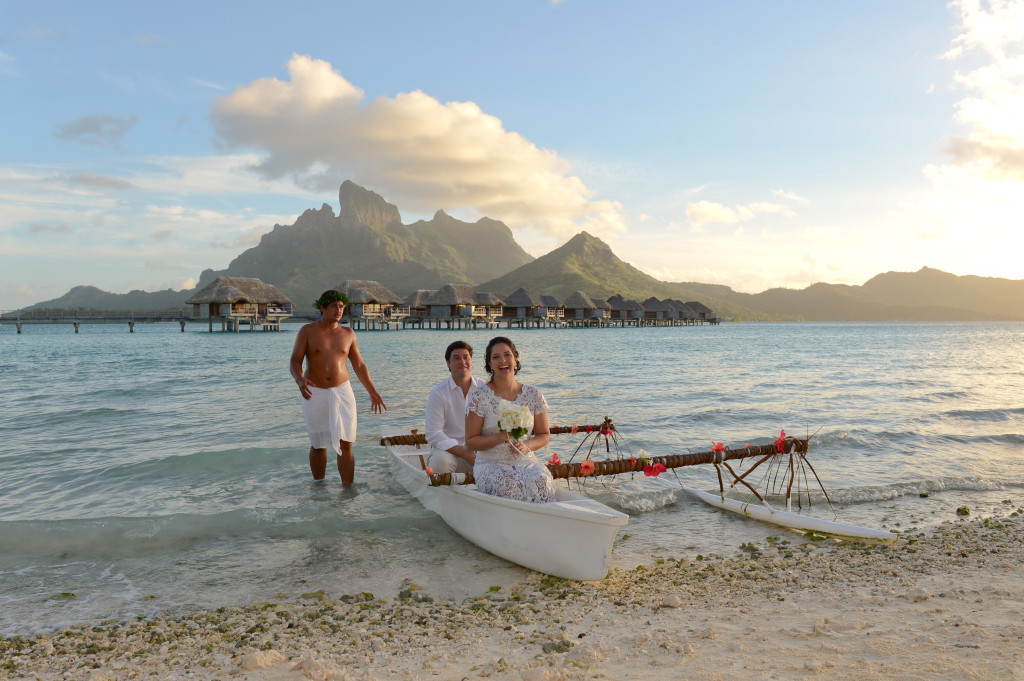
[430,471]
[554,460]
[587,467]
[575,429]
[632,461]
[718,447]
[779,444]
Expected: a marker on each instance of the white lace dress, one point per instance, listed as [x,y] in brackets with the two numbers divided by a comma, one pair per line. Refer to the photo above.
[498,470]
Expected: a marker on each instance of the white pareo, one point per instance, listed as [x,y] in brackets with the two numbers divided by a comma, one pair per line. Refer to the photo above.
[501,470]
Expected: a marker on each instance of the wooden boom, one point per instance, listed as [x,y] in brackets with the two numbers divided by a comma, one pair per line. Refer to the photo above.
[634,465]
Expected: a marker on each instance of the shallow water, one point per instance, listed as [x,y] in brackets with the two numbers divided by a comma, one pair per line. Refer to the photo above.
[161,469]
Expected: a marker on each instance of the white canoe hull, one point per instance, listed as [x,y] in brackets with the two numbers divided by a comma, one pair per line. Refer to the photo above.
[570,537]
[785,518]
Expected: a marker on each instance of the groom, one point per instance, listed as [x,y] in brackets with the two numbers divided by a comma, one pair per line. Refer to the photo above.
[446,413]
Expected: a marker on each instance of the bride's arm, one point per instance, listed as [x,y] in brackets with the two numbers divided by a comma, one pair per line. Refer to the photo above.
[475,439]
[541,432]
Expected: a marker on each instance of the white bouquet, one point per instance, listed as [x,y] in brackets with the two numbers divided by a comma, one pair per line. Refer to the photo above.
[514,419]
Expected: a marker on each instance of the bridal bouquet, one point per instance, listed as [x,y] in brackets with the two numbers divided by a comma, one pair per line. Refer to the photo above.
[514,419]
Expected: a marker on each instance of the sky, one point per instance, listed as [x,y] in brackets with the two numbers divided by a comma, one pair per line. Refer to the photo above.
[746,143]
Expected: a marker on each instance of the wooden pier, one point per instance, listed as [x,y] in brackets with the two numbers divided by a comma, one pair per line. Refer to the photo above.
[77,319]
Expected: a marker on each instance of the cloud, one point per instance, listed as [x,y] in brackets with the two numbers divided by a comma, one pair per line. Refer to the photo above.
[161,264]
[96,130]
[101,182]
[208,84]
[976,197]
[790,196]
[422,154]
[42,228]
[703,213]
[993,108]
[161,235]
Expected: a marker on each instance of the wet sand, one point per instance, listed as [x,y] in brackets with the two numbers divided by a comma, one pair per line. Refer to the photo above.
[941,604]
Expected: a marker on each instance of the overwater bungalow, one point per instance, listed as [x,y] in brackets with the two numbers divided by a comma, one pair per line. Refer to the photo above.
[525,307]
[371,304]
[418,310]
[703,312]
[488,305]
[241,300]
[603,312]
[679,312]
[656,312]
[581,310]
[556,311]
[461,306]
[625,312]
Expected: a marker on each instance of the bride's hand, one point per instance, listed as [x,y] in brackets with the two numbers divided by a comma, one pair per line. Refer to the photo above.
[518,448]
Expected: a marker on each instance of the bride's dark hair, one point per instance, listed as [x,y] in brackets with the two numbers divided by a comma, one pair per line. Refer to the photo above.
[487,355]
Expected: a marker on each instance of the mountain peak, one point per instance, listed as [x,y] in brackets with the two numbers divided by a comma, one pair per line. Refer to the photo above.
[365,207]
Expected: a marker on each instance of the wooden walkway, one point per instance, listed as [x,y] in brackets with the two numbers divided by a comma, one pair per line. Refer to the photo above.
[131,319]
[364,323]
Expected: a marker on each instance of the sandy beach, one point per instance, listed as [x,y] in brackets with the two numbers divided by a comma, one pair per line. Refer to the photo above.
[941,604]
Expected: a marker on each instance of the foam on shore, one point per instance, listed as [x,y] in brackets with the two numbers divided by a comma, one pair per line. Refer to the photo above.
[938,605]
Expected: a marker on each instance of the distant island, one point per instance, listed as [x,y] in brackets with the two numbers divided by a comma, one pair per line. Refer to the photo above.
[368,240]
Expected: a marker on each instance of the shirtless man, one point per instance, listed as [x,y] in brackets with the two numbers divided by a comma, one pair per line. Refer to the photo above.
[329,405]
[446,412]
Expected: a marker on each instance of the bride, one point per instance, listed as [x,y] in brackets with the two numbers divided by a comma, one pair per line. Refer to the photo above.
[504,466]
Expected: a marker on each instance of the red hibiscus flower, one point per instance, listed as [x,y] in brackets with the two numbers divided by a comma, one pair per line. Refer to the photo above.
[632,461]
[554,460]
[587,467]
[590,429]
[430,471]
[718,447]
[779,444]
[575,429]
[655,470]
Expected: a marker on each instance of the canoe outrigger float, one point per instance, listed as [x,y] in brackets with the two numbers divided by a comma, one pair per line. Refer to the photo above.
[572,536]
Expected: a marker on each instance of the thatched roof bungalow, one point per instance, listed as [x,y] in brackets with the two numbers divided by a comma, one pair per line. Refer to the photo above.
[523,303]
[488,304]
[452,300]
[417,302]
[579,306]
[555,309]
[680,310]
[655,309]
[370,299]
[703,311]
[623,308]
[240,297]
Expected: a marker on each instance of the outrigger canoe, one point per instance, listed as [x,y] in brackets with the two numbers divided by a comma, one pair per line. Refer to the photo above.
[788,519]
[570,537]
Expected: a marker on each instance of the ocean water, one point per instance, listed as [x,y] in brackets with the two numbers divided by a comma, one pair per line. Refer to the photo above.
[160,470]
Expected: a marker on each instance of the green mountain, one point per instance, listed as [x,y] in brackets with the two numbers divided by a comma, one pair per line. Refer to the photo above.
[367,240]
[585,263]
[925,295]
